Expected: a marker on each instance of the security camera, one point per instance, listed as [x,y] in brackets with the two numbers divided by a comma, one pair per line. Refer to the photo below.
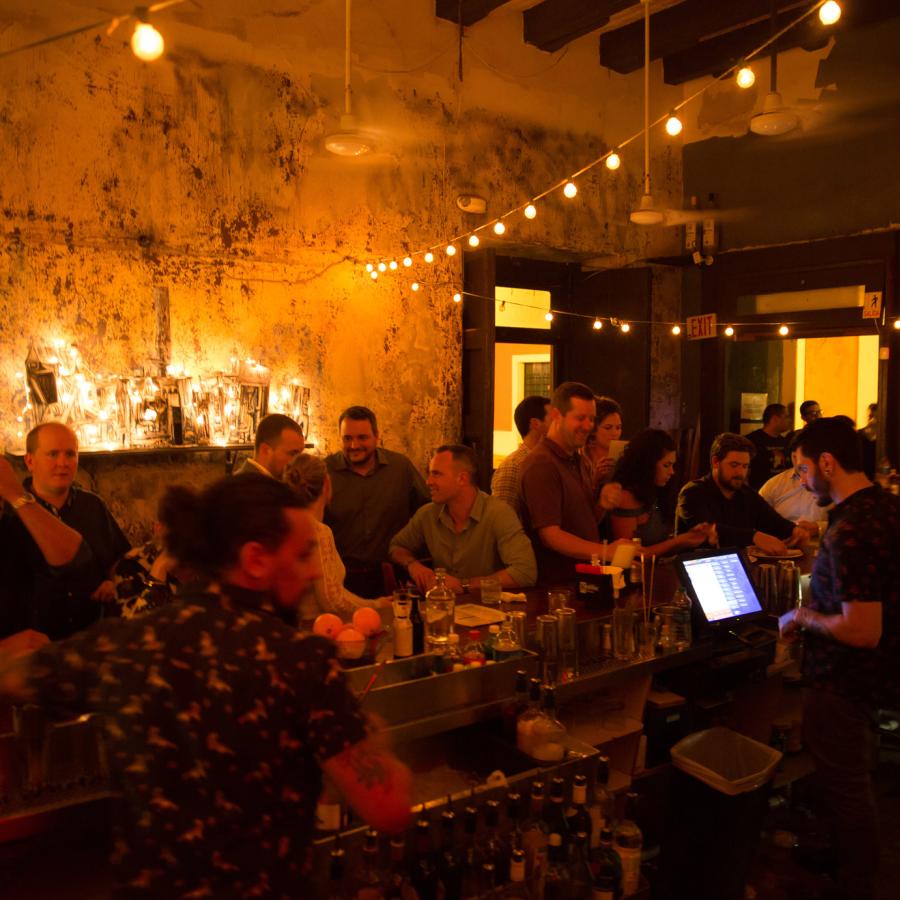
[471,203]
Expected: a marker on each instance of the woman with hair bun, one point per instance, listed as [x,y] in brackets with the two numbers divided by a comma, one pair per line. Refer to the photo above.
[307,476]
[643,471]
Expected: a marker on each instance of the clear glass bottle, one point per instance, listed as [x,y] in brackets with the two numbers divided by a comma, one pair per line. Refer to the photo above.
[534,839]
[473,650]
[601,808]
[528,718]
[681,620]
[493,634]
[440,603]
[507,645]
[628,842]
[548,733]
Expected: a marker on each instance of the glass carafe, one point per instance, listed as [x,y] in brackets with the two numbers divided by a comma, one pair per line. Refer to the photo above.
[440,603]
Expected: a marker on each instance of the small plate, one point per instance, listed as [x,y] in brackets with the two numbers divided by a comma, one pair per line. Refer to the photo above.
[756,553]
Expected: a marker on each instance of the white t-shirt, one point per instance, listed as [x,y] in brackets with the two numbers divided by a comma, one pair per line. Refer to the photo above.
[787,496]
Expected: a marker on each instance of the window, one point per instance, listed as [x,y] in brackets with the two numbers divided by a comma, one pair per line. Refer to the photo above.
[536,378]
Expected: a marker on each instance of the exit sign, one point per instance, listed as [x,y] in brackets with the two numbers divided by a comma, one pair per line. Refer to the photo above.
[699,327]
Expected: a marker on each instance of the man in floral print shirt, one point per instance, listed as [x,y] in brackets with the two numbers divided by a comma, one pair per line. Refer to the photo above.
[852,639]
[220,716]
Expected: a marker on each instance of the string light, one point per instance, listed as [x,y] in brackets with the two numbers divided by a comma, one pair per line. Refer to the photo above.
[373,275]
[676,330]
[625,328]
[474,240]
[499,228]
[147,43]
[784,331]
[393,265]
[428,257]
[451,250]
[729,331]
[570,189]
[415,285]
[530,211]
[382,267]
[407,261]
[613,161]
[745,77]
[897,324]
[597,325]
[829,12]
[548,316]
[673,125]
[457,298]
[369,267]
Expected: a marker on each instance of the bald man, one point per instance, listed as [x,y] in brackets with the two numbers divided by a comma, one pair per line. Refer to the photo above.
[58,542]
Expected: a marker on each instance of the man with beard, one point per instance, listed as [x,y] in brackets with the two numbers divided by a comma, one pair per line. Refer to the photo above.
[556,487]
[374,494]
[724,499]
[851,628]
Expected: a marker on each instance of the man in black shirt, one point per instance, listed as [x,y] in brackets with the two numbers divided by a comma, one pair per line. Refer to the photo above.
[771,455]
[723,498]
[59,542]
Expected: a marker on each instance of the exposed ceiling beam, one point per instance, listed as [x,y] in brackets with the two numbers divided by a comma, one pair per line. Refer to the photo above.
[683,27]
[554,23]
[472,10]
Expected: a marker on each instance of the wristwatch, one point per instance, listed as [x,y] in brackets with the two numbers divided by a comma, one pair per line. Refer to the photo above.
[24,500]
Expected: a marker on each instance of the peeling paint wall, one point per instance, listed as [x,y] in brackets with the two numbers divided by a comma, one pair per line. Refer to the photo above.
[205,173]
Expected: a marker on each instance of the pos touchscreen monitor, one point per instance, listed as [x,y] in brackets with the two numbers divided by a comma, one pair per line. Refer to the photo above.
[720,586]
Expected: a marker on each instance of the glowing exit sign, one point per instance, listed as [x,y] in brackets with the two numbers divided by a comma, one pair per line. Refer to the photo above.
[699,327]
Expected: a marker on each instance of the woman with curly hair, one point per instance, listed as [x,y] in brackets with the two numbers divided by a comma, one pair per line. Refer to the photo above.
[308,478]
[643,471]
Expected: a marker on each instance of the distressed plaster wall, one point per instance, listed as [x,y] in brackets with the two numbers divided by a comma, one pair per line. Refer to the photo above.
[205,173]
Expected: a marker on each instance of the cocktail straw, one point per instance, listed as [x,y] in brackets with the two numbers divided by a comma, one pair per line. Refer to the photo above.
[650,593]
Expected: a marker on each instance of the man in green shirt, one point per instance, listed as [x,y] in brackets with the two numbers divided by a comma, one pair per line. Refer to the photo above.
[463,530]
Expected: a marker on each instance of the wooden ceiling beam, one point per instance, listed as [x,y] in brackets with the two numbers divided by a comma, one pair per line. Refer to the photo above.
[472,10]
[554,23]
[683,27]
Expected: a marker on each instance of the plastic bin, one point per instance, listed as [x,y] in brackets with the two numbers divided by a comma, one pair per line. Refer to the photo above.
[717,802]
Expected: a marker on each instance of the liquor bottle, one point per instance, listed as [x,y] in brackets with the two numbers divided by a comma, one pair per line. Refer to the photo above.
[548,733]
[517,887]
[402,628]
[557,881]
[493,634]
[496,847]
[601,809]
[607,867]
[578,818]
[635,574]
[418,623]
[424,874]
[534,839]
[440,603]
[525,725]
[514,820]
[337,867]
[628,842]
[512,711]
[450,861]
[488,880]
[396,886]
[329,812]
[473,650]
[580,867]
[473,857]
[368,885]
[507,645]
[555,813]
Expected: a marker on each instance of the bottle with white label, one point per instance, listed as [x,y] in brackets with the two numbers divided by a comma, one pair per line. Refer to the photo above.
[403,629]
[629,841]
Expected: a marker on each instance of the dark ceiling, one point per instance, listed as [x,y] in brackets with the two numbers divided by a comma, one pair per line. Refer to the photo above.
[692,37]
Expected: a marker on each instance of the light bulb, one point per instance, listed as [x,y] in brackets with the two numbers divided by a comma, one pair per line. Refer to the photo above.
[407,261]
[548,316]
[673,125]
[829,12]
[530,211]
[369,267]
[457,298]
[382,267]
[373,275]
[625,328]
[613,161]
[570,190]
[897,324]
[428,257]
[729,331]
[146,42]
[415,285]
[499,228]
[451,250]
[745,77]
[393,265]
[784,330]
[597,324]
[474,240]
[676,329]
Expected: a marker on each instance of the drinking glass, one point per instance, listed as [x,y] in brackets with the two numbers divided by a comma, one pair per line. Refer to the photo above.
[568,643]
[491,592]
[558,598]
[518,622]
[547,640]
[768,587]
[623,632]
[647,639]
